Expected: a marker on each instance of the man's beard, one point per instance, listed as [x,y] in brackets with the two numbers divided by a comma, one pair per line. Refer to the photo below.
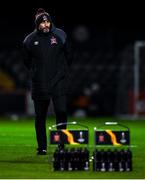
[45,30]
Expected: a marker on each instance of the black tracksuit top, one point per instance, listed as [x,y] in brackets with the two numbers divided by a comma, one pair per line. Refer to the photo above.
[47,56]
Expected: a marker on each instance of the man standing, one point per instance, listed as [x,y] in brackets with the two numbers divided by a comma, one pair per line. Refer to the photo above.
[47,56]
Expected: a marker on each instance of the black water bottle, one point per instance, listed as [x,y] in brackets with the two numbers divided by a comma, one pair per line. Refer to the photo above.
[128,160]
[121,160]
[116,160]
[69,160]
[96,162]
[86,159]
[109,159]
[62,160]
[72,158]
[56,160]
[103,163]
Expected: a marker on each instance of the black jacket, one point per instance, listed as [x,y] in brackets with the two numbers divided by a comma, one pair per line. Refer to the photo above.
[47,57]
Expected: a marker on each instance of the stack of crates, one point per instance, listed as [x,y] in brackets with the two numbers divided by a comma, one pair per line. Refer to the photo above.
[71,159]
[112,160]
[71,151]
[118,157]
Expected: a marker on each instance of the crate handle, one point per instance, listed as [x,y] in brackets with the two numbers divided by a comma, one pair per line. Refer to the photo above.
[111,123]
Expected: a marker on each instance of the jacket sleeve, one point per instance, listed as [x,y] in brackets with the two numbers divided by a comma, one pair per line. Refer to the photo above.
[27,59]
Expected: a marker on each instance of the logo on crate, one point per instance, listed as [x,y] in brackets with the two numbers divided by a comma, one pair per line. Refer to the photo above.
[101,138]
[81,139]
[113,138]
[123,138]
[109,137]
[56,137]
[69,136]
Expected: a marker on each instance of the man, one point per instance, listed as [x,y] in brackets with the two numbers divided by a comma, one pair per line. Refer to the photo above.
[47,56]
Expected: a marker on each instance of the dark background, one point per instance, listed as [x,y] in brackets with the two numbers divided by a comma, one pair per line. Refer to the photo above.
[125,20]
[113,26]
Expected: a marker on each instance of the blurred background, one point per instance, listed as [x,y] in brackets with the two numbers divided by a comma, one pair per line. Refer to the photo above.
[108,72]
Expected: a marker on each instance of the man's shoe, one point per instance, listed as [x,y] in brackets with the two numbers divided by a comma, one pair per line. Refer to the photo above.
[41,152]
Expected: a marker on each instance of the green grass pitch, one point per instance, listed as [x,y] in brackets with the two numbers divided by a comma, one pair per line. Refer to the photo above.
[18,157]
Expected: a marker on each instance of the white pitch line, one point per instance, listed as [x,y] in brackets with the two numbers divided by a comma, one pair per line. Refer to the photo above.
[115,146]
[13,145]
[21,135]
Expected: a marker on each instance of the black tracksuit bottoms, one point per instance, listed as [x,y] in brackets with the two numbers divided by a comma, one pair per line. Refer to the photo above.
[41,108]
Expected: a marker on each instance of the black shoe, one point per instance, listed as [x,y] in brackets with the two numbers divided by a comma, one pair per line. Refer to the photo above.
[41,151]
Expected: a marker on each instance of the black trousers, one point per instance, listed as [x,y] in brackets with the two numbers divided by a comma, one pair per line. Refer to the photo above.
[41,108]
